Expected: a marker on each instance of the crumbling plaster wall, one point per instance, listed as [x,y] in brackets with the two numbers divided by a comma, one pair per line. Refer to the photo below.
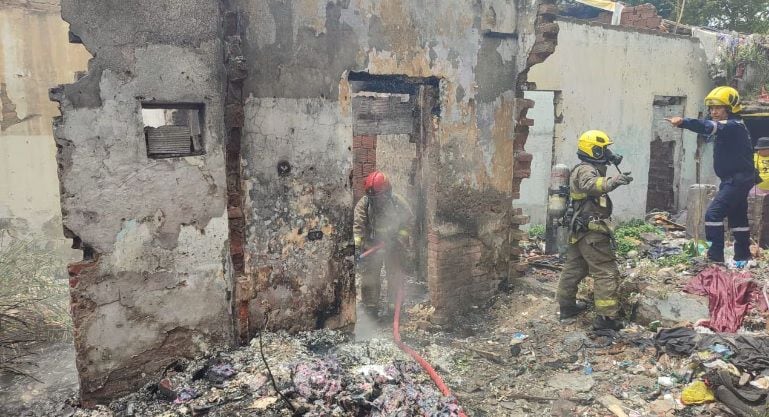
[155,282]
[614,75]
[34,54]
[299,110]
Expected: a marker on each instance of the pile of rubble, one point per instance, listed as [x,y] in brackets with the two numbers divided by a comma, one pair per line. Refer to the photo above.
[697,345]
[320,373]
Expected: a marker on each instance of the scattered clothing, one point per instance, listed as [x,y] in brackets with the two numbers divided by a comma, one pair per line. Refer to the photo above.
[730,295]
[681,340]
[742,400]
[750,353]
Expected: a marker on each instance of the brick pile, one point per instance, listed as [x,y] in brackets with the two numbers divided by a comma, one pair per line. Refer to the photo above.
[644,17]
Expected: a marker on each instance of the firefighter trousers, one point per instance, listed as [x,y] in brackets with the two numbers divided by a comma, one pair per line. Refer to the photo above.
[592,254]
[370,276]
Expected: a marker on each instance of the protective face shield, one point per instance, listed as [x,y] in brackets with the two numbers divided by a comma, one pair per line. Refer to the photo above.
[613,158]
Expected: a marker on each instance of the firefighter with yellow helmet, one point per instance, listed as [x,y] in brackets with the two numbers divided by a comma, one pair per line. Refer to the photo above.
[591,247]
[733,163]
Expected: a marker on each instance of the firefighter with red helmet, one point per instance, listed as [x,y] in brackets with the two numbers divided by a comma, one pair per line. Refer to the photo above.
[381,218]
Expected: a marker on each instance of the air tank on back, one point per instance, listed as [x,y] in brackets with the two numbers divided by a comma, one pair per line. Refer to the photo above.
[556,237]
[557,195]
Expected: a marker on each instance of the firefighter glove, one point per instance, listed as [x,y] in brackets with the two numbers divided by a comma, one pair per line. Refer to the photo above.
[623,179]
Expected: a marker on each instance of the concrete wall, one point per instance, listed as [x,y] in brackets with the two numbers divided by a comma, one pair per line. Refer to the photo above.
[262,221]
[34,55]
[299,110]
[155,283]
[608,77]
[534,190]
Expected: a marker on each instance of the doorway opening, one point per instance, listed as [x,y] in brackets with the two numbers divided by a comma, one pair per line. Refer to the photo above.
[665,155]
[392,117]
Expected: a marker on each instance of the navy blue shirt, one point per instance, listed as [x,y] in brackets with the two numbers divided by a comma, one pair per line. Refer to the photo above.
[733,151]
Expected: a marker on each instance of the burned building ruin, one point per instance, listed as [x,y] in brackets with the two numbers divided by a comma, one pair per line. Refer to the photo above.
[207,168]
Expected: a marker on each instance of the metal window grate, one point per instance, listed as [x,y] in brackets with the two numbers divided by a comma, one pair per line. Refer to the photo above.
[169,140]
[173,130]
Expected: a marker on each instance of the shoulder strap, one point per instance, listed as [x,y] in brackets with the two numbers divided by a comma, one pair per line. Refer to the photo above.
[575,196]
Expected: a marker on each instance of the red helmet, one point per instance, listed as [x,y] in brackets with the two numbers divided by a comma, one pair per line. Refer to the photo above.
[376,183]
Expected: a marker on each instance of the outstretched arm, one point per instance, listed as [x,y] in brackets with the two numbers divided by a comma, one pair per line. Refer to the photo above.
[703,127]
[595,185]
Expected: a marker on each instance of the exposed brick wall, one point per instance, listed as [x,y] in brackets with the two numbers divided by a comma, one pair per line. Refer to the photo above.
[363,163]
[546,30]
[237,72]
[454,273]
[643,16]
[604,17]
[660,194]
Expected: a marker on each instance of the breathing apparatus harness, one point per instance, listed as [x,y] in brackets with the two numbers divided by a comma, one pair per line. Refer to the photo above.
[573,218]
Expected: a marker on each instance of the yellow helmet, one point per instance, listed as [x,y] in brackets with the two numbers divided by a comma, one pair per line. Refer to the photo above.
[724,96]
[592,144]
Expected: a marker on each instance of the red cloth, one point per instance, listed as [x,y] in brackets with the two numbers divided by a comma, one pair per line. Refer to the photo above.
[730,295]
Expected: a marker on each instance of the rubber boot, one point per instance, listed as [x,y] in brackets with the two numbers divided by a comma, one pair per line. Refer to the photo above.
[570,311]
[603,322]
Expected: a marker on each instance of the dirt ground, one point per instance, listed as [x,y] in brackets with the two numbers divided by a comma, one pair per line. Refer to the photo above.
[561,370]
[511,357]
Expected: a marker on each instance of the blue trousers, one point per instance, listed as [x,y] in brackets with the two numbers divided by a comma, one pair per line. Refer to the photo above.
[731,202]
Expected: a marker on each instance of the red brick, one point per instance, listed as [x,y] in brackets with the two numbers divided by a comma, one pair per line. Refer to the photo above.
[522,173]
[526,103]
[548,28]
[523,164]
[234,213]
[517,234]
[524,156]
[521,219]
[547,9]
[366,142]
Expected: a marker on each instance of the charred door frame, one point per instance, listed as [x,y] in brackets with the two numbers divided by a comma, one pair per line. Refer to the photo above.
[425,93]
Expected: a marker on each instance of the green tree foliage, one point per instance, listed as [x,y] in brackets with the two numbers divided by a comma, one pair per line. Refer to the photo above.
[747,16]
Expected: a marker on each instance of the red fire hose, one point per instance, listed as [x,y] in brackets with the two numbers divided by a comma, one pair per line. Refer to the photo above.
[373,249]
[404,347]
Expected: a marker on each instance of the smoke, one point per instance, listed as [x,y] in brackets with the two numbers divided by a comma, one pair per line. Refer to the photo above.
[366,326]
[391,225]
